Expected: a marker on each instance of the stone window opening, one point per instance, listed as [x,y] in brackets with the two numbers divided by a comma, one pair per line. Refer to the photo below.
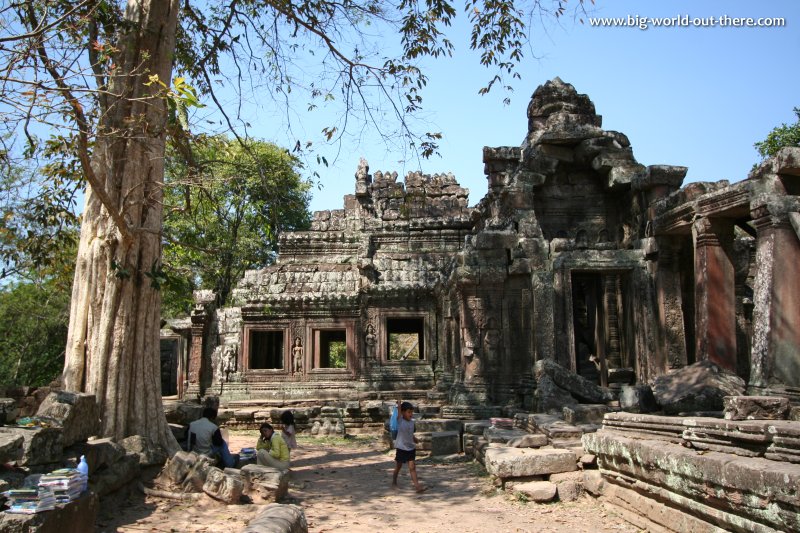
[405,338]
[266,350]
[331,348]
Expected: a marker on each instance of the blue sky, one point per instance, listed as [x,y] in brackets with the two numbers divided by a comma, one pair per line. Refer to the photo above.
[693,96]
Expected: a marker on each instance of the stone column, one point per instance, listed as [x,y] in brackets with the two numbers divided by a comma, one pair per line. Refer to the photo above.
[203,307]
[672,347]
[776,314]
[196,353]
[715,298]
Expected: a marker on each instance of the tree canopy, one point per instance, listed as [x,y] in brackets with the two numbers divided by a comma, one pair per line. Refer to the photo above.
[224,219]
[780,137]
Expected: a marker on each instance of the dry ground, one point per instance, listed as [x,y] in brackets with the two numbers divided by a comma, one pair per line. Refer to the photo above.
[344,486]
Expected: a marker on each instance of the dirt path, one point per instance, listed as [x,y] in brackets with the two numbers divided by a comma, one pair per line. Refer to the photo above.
[344,487]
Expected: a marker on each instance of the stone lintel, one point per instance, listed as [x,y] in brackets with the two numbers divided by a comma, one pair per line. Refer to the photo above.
[787,161]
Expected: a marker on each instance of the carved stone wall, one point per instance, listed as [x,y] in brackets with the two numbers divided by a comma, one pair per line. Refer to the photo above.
[578,253]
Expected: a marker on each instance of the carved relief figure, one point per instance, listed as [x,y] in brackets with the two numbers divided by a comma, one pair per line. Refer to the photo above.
[297,356]
[226,361]
[370,340]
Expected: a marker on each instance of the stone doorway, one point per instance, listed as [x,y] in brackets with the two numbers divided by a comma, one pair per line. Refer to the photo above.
[599,327]
[169,366]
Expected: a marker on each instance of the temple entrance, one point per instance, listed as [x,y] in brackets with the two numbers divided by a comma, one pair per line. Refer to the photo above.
[169,367]
[599,317]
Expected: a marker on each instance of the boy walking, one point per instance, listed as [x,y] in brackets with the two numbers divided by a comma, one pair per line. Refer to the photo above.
[405,445]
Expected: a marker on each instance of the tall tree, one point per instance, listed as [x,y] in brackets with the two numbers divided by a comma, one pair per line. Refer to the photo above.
[780,137]
[242,196]
[100,75]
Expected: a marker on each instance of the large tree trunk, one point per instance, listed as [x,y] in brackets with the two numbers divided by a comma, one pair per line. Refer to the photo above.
[113,341]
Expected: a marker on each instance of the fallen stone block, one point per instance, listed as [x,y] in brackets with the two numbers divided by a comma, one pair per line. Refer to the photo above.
[531,440]
[77,413]
[699,387]
[182,413]
[593,482]
[493,434]
[569,491]
[149,453]
[549,397]
[578,386]
[476,428]
[537,491]
[113,477]
[637,399]
[445,443]
[585,413]
[521,462]
[430,425]
[588,460]
[98,452]
[10,447]
[40,445]
[225,486]
[755,407]
[8,411]
[277,518]
[267,483]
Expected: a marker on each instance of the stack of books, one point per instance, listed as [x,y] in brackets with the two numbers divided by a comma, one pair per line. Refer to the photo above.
[29,501]
[247,454]
[67,484]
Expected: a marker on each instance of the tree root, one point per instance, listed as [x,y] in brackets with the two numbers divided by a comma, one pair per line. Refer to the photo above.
[158,493]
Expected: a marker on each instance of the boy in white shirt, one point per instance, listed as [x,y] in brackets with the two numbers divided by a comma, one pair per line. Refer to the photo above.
[405,445]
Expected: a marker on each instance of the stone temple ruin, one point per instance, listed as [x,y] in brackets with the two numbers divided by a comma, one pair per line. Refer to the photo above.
[577,254]
[584,289]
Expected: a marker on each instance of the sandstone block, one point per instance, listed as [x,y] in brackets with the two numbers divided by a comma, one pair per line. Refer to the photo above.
[445,442]
[593,482]
[576,385]
[10,447]
[637,399]
[40,445]
[149,453]
[429,425]
[537,491]
[277,518]
[585,413]
[269,484]
[476,428]
[521,462]
[77,413]
[755,407]
[698,387]
[8,411]
[569,491]
[549,397]
[494,434]
[224,486]
[114,477]
[182,413]
[531,440]
[99,453]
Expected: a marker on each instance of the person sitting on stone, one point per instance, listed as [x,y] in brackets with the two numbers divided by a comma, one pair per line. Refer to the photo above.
[271,449]
[205,438]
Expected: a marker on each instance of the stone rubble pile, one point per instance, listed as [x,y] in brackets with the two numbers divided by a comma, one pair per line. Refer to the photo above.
[191,473]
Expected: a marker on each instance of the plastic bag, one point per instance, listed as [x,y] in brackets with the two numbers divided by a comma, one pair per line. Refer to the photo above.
[393,423]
